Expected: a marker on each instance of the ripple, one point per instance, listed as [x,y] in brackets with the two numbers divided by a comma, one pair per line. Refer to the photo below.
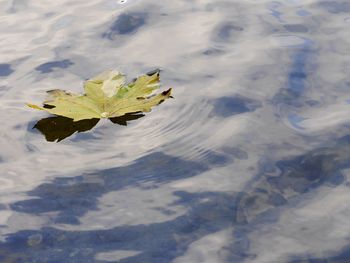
[252,138]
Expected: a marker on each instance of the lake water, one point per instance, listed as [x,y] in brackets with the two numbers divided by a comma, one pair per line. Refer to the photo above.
[250,162]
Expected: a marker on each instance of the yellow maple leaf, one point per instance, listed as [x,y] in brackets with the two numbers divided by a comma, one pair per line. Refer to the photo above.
[106,96]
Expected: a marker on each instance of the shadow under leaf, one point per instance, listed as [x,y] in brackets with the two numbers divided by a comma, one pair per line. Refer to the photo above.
[58,128]
[125,118]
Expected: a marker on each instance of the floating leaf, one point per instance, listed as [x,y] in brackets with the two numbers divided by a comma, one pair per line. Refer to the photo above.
[106,96]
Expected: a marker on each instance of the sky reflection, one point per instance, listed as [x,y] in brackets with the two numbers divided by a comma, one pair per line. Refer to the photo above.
[249,164]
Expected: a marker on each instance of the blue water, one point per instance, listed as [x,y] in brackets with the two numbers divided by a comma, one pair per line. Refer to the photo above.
[250,162]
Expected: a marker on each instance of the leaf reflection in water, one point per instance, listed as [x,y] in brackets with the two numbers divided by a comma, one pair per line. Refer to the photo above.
[58,128]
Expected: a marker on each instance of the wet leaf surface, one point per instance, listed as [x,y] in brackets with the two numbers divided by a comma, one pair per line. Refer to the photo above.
[106,96]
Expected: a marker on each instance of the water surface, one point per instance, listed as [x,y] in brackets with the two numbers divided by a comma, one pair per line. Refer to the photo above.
[249,163]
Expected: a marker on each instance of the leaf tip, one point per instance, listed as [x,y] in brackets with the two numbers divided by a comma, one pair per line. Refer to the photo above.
[33,106]
[167,93]
[153,72]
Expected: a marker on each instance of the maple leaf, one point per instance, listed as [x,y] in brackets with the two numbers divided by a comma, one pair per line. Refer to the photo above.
[106,96]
